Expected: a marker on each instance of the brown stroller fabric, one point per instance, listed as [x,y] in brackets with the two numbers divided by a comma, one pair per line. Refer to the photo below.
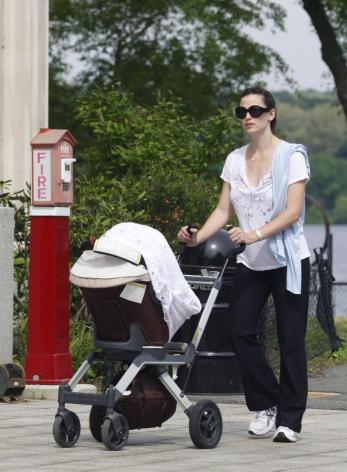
[149,403]
[114,315]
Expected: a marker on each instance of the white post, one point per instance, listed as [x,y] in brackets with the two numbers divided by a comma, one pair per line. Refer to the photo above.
[6,284]
[23,84]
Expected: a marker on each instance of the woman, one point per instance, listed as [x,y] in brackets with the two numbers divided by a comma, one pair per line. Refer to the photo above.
[264,183]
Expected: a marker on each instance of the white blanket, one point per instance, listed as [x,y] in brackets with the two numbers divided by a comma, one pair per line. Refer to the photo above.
[178,300]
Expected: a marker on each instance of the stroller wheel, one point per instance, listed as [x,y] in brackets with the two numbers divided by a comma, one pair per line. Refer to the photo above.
[66,429]
[96,417]
[115,431]
[205,424]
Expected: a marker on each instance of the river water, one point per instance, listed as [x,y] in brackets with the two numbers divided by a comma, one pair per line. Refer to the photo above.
[315,235]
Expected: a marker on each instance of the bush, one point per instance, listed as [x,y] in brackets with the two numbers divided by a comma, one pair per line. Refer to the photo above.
[152,166]
[81,340]
[127,139]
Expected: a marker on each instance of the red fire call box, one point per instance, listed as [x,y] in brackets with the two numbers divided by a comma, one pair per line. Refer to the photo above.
[52,165]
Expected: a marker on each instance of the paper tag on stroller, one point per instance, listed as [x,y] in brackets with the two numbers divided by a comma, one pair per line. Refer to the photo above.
[133,292]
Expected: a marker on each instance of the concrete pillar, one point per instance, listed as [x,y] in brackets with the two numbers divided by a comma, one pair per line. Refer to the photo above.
[6,284]
[23,84]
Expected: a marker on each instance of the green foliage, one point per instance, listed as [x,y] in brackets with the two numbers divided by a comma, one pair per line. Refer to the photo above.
[100,204]
[330,359]
[306,99]
[320,126]
[82,344]
[175,197]
[313,215]
[337,13]
[126,138]
[164,199]
[199,51]
[19,339]
[151,165]
[81,340]
[327,183]
[339,214]
[62,100]
[314,119]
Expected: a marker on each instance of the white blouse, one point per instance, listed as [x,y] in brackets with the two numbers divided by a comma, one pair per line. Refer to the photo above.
[253,205]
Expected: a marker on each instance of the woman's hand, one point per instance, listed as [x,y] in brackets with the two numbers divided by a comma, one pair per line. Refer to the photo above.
[237,235]
[189,238]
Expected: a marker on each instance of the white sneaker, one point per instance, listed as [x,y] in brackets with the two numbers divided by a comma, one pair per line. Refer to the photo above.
[263,422]
[284,434]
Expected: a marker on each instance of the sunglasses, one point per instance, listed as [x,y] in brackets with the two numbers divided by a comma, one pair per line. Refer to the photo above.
[255,111]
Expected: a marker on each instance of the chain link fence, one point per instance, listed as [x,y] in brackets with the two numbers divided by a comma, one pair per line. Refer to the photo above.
[340,298]
[325,296]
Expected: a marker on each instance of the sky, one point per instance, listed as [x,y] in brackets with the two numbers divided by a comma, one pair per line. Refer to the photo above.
[299,46]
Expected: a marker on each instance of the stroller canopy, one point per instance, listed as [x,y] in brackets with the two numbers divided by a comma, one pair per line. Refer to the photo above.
[94,270]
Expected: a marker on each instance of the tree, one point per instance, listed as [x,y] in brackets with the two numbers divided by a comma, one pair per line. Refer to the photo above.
[340,210]
[328,183]
[295,124]
[329,18]
[198,51]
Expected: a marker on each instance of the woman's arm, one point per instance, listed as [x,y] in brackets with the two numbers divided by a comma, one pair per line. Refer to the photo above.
[295,202]
[217,219]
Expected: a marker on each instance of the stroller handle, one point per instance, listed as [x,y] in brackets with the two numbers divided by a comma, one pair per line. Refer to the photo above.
[182,246]
[232,253]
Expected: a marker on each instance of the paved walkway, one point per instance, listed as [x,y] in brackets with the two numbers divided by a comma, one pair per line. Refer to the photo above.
[27,444]
[326,391]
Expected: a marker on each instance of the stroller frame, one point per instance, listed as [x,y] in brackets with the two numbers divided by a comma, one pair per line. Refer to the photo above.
[205,421]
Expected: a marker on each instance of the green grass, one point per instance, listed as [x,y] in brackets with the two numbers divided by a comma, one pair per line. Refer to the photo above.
[317,365]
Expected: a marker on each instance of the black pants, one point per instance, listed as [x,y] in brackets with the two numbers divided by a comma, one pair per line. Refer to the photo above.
[262,391]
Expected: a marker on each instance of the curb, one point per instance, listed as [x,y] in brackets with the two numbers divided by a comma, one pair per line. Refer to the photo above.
[50,392]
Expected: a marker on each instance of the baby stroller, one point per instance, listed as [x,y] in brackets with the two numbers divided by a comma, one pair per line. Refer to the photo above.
[131,329]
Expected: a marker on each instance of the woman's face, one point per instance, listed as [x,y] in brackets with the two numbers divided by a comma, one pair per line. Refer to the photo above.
[255,125]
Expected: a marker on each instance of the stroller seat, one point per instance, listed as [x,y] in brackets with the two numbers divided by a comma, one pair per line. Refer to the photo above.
[113,315]
[119,295]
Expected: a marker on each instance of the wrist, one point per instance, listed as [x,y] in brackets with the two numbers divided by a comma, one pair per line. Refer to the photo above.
[259,235]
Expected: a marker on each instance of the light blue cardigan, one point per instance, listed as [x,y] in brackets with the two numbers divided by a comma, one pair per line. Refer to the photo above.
[285,246]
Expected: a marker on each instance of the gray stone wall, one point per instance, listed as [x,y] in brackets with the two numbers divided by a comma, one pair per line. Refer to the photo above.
[6,283]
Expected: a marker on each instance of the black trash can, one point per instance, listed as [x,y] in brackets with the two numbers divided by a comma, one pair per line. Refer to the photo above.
[215,369]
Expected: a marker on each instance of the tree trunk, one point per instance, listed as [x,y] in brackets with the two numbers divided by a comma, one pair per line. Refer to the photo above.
[332,53]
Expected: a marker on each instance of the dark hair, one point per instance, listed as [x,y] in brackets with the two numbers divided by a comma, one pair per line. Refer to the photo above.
[268,100]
